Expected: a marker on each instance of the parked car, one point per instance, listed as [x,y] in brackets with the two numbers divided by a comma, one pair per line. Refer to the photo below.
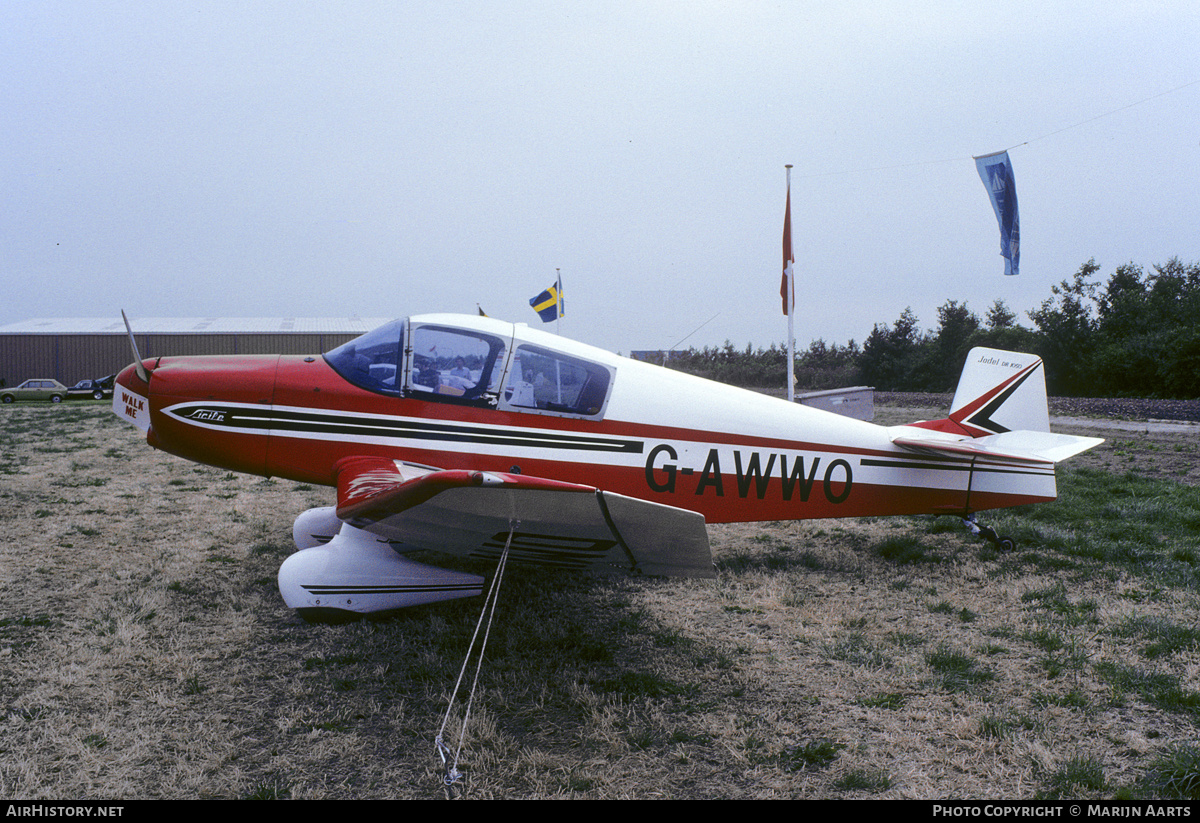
[36,389]
[95,389]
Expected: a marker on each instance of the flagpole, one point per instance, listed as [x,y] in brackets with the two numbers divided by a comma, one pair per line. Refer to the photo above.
[789,257]
[557,326]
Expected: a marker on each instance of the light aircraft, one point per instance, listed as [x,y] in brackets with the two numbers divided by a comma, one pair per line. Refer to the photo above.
[473,436]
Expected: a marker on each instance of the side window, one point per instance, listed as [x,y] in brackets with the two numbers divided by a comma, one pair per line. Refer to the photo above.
[449,364]
[547,381]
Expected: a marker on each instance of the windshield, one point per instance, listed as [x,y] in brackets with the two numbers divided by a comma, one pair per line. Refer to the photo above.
[372,361]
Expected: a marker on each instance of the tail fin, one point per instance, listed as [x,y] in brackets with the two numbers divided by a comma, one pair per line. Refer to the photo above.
[999,410]
[1001,391]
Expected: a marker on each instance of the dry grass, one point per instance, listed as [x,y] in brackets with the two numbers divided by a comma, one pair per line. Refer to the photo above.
[145,653]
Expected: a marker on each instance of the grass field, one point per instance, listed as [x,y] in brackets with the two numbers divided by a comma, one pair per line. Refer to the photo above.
[145,652]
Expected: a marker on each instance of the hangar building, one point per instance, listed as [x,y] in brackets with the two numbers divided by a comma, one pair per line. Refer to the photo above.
[74,349]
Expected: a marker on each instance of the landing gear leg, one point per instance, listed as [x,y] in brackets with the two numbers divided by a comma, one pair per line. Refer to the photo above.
[1001,542]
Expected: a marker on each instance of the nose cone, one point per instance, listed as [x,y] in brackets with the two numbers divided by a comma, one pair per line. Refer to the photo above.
[212,410]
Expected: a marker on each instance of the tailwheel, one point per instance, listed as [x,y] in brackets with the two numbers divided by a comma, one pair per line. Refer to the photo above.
[1001,542]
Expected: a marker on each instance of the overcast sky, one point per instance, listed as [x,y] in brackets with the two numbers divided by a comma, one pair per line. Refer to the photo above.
[388,158]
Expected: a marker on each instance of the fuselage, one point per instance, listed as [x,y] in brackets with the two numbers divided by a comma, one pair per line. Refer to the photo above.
[457,392]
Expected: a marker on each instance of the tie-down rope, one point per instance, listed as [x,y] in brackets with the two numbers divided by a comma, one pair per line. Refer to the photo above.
[451,774]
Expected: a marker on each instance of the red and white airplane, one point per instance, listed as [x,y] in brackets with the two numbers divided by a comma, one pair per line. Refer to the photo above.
[469,435]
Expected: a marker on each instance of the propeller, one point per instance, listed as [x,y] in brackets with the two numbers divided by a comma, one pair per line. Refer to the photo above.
[137,357]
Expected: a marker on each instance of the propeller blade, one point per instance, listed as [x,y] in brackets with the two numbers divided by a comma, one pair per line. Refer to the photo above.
[137,357]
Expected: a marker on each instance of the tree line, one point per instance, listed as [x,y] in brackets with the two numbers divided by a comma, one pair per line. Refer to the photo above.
[1136,334]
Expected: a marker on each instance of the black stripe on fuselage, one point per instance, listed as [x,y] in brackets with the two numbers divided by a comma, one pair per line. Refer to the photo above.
[951,464]
[285,422]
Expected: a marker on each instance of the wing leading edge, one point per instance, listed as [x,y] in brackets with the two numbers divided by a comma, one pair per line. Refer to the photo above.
[566,525]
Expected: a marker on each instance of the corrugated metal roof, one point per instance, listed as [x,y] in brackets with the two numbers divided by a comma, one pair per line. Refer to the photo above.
[197,325]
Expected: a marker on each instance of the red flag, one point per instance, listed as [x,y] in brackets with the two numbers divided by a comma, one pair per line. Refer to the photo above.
[786,290]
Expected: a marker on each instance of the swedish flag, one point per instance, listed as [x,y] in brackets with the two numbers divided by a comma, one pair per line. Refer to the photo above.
[549,304]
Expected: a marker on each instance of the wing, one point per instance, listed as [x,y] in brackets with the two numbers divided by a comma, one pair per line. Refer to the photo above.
[560,524]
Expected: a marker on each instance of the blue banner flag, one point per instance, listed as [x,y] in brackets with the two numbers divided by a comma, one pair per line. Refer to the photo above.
[549,304]
[995,170]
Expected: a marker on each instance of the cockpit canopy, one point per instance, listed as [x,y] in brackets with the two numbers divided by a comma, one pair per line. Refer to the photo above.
[484,365]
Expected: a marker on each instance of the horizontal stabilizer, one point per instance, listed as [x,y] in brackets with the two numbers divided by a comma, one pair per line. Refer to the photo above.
[1014,446]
